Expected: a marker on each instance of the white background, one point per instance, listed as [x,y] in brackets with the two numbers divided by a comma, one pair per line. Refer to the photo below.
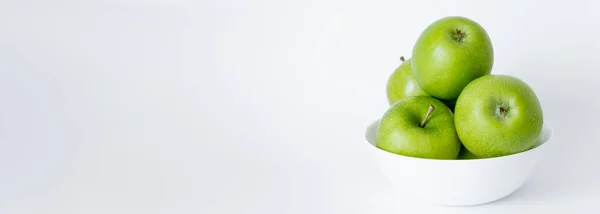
[260,106]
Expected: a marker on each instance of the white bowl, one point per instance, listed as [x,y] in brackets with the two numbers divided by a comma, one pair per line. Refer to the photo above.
[458,182]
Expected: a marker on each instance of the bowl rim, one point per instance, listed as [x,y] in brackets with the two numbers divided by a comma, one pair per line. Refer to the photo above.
[538,147]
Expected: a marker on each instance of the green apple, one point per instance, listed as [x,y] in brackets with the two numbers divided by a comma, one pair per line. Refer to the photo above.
[420,127]
[498,115]
[402,83]
[450,53]
[464,154]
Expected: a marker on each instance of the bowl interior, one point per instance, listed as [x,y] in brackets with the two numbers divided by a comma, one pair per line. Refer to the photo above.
[545,136]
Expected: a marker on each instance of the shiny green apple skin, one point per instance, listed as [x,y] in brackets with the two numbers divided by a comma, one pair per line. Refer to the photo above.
[399,130]
[402,84]
[450,53]
[498,115]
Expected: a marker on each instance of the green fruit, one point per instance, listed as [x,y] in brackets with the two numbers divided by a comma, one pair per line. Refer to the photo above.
[464,154]
[498,115]
[450,53]
[402,83]
[419,127]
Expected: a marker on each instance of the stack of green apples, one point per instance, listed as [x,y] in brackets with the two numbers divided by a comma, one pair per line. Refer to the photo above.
[445,103]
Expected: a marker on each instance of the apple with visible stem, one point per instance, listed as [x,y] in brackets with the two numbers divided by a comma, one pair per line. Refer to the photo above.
[498,115]
[420,127]
[450,53]
[402,83]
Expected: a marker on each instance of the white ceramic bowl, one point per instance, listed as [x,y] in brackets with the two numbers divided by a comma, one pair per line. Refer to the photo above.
[458,182]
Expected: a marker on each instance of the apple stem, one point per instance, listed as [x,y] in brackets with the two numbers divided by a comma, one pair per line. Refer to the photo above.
[431,108]
[402,58]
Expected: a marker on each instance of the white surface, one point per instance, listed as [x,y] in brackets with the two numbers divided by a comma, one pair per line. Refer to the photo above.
[457,182]
[260,106]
